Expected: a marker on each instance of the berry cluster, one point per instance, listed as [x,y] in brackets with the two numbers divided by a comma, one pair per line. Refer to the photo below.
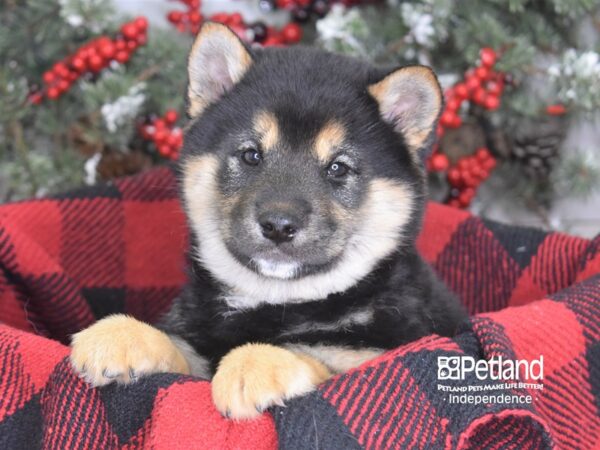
[190,21]
[556,110]
[92,58]
[466,176]
[303,10]
[167,137]
[187,21]
[481,85]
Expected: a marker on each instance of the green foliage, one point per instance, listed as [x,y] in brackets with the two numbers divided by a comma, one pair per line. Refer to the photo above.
[538,44]
[38,141]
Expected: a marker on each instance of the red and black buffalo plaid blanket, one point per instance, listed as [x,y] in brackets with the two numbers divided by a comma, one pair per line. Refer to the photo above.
[69,260]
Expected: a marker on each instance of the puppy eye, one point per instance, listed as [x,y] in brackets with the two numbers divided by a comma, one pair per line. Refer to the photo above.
[337,169]
[251,156]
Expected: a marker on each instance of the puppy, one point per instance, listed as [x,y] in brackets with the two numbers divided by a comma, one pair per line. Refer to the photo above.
[303,184]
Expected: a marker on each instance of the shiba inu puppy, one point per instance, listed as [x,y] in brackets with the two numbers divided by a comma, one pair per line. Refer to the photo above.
[302,180]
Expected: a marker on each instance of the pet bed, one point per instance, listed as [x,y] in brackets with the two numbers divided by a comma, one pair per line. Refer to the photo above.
[68,260]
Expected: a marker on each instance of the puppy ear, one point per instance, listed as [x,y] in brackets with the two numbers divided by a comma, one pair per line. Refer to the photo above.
[218,60]
[410,99]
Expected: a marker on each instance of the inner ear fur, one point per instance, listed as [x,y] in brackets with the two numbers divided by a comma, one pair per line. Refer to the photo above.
[410,99]
[217,61]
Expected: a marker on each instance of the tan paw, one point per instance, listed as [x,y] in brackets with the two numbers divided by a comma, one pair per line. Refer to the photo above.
[120,348]
[253,377]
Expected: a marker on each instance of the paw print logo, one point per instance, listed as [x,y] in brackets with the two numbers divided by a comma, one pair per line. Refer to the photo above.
[448,368]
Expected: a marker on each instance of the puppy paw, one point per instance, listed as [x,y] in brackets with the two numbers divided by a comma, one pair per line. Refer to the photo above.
[254,377]
[120,349]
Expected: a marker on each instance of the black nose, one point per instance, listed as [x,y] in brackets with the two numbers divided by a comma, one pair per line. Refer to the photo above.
[279,227]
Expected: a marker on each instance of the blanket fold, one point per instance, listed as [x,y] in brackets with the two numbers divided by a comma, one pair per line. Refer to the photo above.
[70,260]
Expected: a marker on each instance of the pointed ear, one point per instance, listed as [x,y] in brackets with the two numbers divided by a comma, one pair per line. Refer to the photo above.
[410,99]
[217,61]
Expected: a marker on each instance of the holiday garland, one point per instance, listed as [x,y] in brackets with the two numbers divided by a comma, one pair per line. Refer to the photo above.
[190,21]
[481,86]
[91,58]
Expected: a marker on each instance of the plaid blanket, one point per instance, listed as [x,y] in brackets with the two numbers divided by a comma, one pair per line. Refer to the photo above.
[67,261]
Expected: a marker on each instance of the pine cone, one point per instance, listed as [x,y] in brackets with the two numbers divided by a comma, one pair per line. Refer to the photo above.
[535,144]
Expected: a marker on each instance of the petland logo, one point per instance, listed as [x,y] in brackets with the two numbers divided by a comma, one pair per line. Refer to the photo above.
[459,367]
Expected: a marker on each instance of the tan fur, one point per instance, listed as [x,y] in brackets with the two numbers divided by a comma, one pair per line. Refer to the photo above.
[119,347]
[265,125]
[338,359]
[213,36]
[378,229]
[253,377]
[417,82]
[330,137]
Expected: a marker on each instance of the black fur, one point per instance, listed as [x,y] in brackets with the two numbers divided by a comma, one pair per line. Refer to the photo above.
[304,88]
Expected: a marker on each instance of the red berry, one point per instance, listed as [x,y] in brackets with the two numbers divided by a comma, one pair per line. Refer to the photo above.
[107,50]
[285,4]
[129,30]
[491,102]
[78,64]
[439,131]
[556,110]
[53,93]
[49,77]
[482,72]
[272,41]
[291,33]
[456,121]
[171,116]
[482,154]
[60,69]
[96,63]
[122,56]
[453,104]
[488,56]
[141,40]
[472,83]
[195,17]
[164,150]
[235,19]
[494,88]
[447,118]
[160,135]
[461,91]
[175,16]
[469,180]
[63,85]
[479,96]
[160,124]
[439,162]
[141,23]
[454,177]
[173,141]
[132,45]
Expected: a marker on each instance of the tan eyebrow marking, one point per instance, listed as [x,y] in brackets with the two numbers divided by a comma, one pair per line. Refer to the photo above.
[265,125]
[330,137]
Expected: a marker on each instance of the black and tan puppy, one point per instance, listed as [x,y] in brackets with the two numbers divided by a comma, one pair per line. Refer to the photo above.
[302,181]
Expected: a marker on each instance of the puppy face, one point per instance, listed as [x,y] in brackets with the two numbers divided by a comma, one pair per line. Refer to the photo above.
[300,168]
